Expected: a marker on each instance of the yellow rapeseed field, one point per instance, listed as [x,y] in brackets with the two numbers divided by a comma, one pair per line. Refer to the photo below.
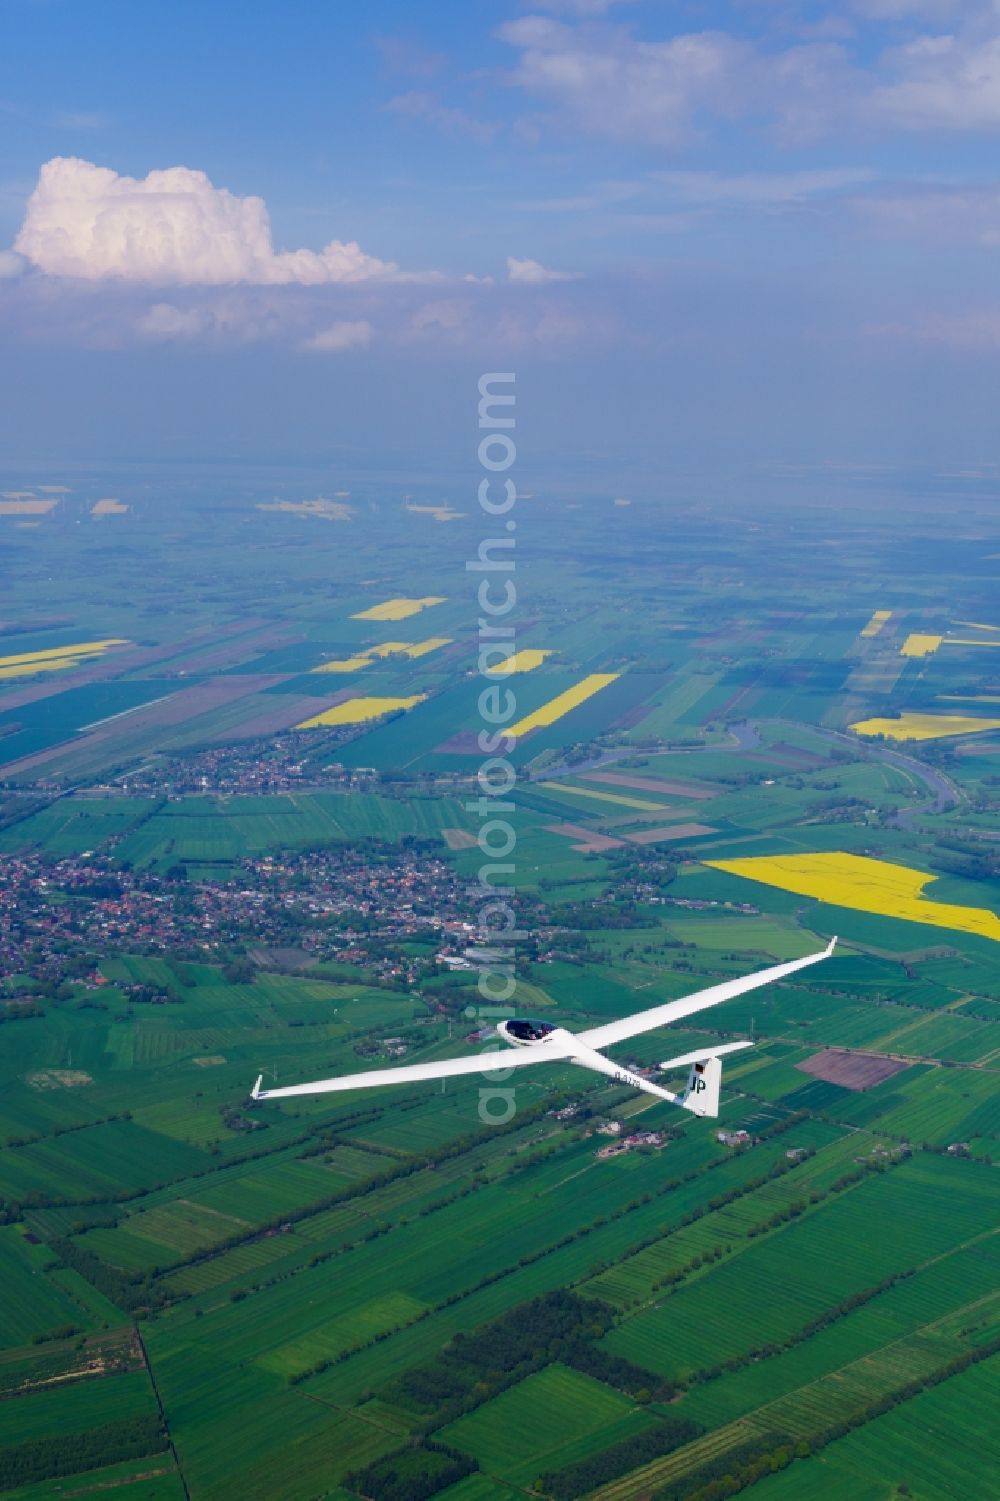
[925,726]
[917,645]
[608,797]
[24,664]
[563,702]
[865,885]
[520,661]
[409,649]
[344,664]
[876,623]
[108,507]
[360,710]
[398,609]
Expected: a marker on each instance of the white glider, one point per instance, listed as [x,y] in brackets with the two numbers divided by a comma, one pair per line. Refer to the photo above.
[541,1042]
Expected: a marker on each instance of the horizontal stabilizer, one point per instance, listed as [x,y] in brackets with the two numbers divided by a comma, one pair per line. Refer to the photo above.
[700,1054]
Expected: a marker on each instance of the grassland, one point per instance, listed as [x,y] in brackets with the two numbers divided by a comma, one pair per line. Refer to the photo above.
[374,1280]
[284,1278]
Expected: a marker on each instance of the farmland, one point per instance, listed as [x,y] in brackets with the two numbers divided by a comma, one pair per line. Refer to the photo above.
[239,827]
[869,885]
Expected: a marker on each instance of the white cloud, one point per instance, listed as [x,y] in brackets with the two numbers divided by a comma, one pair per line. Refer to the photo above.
[11,265]
[451,317]
[171,227]
[347,334]
[532,273]
[944,82]
[164,321]
[605,80]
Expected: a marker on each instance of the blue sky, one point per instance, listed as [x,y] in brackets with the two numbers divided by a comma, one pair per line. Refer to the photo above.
[709,236]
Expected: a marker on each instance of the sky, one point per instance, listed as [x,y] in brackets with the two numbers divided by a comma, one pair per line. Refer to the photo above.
[729,238]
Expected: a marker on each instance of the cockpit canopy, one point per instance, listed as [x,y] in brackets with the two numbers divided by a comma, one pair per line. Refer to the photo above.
[525,1029]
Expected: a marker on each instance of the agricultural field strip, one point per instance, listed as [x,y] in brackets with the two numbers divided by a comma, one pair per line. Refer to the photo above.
[954,1314]
[369,1206]
[740,1214]
[550,1244]
[774,1415]
[865,885]
[765,1413]
[736,1218]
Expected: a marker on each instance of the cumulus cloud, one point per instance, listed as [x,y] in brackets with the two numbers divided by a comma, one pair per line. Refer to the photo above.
[532,273]
[171,227]
[347,334]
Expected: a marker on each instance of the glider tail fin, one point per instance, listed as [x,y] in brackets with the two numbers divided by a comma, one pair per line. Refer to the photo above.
[701,1095]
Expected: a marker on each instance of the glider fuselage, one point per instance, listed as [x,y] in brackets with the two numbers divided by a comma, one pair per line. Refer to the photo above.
[526,1032]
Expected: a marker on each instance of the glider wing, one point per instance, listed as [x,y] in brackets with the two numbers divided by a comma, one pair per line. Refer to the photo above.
[672,1011]
[413,1073]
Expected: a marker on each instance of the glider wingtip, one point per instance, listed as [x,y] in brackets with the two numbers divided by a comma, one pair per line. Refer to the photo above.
[831,945]
[255,1092]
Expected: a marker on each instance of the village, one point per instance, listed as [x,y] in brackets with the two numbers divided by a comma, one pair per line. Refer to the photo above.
[390,914]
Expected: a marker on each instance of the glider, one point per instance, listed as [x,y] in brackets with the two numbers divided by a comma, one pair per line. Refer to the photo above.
[542,1042]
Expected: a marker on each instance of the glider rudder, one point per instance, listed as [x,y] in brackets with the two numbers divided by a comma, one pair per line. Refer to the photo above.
[701,1096]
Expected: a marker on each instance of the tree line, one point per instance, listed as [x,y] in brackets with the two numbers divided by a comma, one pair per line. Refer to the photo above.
[69,1453]
[411,1474]
[620,1459]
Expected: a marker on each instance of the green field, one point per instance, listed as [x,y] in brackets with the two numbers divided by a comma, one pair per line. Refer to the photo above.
[274,1276]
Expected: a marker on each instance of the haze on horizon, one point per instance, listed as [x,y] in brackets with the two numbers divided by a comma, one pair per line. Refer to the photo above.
[711,238]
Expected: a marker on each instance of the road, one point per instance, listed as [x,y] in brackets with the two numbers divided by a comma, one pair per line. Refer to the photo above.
[942,792]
